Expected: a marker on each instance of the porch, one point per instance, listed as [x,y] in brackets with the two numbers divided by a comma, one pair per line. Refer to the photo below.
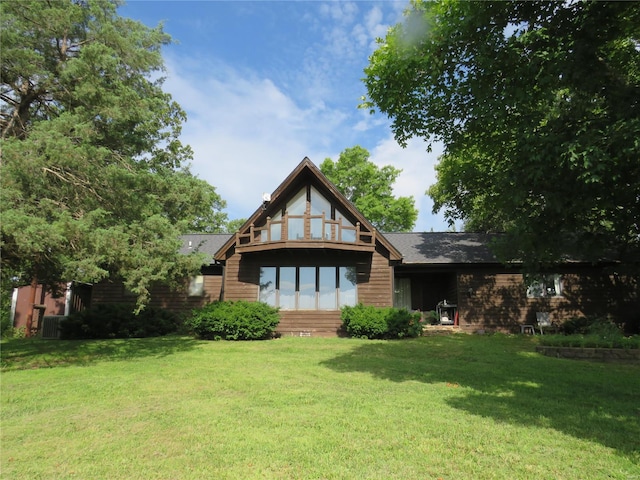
[433,293]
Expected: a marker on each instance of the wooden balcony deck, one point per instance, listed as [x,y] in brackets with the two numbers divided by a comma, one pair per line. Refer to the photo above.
[310,232]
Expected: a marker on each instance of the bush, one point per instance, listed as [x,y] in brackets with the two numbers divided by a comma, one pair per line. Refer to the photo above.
[118,321]
[372,322]
[590,341]
[364,321]
[576,325]
[234,320]
[431,317]
[401,323]
[596,326]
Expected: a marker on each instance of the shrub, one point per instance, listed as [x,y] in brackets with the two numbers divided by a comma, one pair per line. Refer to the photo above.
[590,341]
[364,321]
[118,321]
[401,323]
[372,322]
[591,325]
[234,320]
[576,325]
[431,317]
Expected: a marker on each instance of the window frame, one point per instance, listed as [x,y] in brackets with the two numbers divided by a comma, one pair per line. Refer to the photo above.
[309,210]
[196,286]
[546,286]
[346,294]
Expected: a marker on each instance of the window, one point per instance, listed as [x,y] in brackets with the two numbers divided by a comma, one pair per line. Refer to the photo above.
[297,206]
[287,288]
[196,286]
[347,286]
[545,286]
[319,205]
[305,222]
[268,285]
[308,288]
[327,292]
[276,229]
[348,234]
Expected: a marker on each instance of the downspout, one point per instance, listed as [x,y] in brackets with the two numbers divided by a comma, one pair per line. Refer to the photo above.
[32,303]
[224,281]
[67,299]
[14,304]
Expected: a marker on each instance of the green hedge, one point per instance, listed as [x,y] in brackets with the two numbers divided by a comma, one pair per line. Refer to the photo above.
[234,320]
[590,341]
[119,321]
[591,332]
[373,322]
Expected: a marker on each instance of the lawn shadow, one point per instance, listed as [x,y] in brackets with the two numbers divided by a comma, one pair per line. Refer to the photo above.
[23,354]
[504,379]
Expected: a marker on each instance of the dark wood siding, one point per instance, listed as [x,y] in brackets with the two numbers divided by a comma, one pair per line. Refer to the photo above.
[499,299]
[53,305]
[375,281]
[315,323]
[110,291]
[242,277]
[374,287]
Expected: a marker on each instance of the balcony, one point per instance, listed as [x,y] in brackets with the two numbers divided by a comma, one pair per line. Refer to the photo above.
[305,231]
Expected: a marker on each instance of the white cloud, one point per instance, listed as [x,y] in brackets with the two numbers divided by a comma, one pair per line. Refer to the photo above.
[341,12]
[248,132]
[418,173]
[375,25]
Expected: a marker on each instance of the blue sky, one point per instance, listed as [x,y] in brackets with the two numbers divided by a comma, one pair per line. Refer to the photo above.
[265,84]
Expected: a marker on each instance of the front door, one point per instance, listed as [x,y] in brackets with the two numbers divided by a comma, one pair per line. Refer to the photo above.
[402,293]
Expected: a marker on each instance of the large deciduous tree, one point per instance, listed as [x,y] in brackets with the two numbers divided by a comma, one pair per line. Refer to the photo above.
[370,189]
[538,107]
[95,181]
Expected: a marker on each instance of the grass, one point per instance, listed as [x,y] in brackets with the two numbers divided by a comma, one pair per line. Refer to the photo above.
[481,407]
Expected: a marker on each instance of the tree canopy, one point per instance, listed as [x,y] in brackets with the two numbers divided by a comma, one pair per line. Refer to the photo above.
[95,181]
[370,189]
[538,107]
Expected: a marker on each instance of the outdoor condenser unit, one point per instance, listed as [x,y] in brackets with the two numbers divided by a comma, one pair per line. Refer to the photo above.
[51,326]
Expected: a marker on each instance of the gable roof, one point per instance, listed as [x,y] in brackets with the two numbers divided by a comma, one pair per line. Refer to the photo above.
[306,171]
[443,247]
[416,248]
[207,243]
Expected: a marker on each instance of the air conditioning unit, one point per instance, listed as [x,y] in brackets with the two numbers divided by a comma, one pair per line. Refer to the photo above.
[51,326]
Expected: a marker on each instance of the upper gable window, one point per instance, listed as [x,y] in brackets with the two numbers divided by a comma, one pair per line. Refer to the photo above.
[319,206]
[309,216]
[347,234]
[297,206]
[276,228]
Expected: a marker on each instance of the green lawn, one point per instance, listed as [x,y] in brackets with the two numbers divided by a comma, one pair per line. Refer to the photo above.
[455,407]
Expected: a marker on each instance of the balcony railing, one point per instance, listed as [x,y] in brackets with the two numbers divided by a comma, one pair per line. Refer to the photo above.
[305,231]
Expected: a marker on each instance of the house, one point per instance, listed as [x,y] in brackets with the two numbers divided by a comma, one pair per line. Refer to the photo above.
[58,302]
[309,251]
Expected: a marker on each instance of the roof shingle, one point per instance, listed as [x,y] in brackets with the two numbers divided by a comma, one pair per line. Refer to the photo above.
[415,247]
[443,247]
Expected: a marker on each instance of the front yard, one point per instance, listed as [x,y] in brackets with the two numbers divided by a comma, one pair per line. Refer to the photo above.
[447,407]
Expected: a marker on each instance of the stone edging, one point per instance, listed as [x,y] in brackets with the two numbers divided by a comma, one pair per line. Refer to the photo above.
[621,355]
